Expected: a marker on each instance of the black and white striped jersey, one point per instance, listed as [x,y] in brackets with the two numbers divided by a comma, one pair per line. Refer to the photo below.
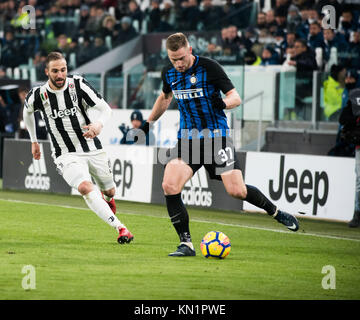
[65,112]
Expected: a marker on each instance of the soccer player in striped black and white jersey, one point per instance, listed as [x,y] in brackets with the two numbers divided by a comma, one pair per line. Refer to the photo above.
[64,102]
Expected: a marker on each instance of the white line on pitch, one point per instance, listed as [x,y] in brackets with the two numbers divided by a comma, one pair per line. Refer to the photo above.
[195,220]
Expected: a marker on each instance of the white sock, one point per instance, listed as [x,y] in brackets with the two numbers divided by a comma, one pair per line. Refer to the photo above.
[97,204]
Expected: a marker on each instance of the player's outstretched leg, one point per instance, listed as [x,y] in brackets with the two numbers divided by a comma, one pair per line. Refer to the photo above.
[96,203]
[257,198]
[235,186]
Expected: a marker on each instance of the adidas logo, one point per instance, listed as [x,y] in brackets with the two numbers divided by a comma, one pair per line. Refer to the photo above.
[193,193]
[36,177]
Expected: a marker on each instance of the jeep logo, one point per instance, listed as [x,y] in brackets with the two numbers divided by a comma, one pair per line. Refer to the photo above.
[62,113]
[308,186]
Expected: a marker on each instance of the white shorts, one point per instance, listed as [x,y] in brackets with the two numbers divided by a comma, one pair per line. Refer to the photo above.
[79,167]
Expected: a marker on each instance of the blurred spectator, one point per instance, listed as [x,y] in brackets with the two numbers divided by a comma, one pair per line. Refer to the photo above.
[94,22]
[10,51]
[271,24]
[315,37]
[269,56]
[289,40]
[293,18]
[280,19]
[126,31]
[248,39]
[333,90]
[3,73]
[230,40]
[304,58]
[84,16]
[84,54]
[154,16]
[131,135]
[353,60]
[289,54]
[63,45]
[109,28]
[305,63]
[303,28]
[261,21]
[99,47]
[190,15]
[39,64]
[135,13]
[210,15]
[347,24]
[9,110]
[336,40]
[237,13]
[168,14]
[349,119]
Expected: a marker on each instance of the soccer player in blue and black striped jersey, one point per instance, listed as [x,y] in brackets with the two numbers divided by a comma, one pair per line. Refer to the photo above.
[203,138]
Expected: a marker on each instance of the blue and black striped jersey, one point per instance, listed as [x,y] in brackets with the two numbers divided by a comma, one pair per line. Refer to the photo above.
[192,90]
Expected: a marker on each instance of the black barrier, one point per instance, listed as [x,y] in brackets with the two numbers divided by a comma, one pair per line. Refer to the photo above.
[200,191]
[21,172]
[3,135]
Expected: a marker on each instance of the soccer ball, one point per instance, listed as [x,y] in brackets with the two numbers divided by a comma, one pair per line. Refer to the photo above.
[215,244]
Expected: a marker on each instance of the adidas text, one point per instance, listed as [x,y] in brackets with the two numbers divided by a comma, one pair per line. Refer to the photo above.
[197,197]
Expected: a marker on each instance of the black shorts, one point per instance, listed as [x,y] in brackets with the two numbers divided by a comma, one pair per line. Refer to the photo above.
[217,155]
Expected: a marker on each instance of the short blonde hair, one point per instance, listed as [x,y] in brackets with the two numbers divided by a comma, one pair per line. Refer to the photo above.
[176,41]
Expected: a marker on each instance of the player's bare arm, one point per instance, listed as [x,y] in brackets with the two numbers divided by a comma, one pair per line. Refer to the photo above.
[160,106]
[232,99]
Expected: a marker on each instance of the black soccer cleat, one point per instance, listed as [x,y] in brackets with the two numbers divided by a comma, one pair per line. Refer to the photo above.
[287,220]
[183,250]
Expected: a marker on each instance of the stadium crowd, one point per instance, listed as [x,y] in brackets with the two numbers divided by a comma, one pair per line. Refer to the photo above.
[287,33]
[82,27]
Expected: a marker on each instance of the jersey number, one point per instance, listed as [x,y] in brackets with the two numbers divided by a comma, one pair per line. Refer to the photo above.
[225,154]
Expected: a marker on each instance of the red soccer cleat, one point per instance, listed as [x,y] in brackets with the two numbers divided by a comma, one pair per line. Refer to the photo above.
[125,236]
[111,203]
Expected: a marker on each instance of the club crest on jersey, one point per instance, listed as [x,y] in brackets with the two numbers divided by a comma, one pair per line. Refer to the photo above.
[193,79]
[73,96]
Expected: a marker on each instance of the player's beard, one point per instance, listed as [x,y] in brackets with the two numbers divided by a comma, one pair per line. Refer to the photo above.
[57,82]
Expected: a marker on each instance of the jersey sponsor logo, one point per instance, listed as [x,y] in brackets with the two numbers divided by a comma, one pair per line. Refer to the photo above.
[63,113]
[188,93]
[37,174]
[196,190]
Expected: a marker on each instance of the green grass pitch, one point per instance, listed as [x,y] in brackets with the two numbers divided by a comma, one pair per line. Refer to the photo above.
[76,256]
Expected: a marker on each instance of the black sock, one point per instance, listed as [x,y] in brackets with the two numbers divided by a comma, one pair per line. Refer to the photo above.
[257,198]
[179,216]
